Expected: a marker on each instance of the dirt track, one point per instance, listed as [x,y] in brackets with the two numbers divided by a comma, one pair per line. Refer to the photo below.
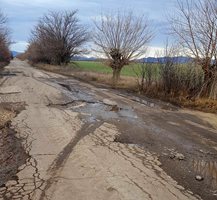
[85,142]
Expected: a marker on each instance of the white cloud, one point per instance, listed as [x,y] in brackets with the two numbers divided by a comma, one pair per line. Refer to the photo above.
[19,46]
[154,51]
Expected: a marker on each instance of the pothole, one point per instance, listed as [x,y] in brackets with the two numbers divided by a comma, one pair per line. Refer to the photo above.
[65,86]
[207,170]
[102,111]
[151,103]
[71,104]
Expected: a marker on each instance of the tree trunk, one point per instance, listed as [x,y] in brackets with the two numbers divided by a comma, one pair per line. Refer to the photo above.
[209,88]
[213,87]
[116,76]
[142,83]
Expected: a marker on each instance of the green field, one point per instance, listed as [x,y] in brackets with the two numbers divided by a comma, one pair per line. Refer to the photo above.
[152,71]
[93,66]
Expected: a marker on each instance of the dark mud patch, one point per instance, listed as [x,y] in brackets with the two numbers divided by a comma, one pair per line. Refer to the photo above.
[185,172]
[66,86]
[12,153]
[7,74]
[69,104]
[207,169]
[152,103]
[198,160]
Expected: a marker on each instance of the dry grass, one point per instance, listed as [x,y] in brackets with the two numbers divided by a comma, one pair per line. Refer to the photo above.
[3,64]
[125,82]
[206,105]
[5,116]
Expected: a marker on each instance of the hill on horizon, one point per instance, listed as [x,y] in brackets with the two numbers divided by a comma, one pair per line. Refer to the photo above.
[15,53]
[178,59]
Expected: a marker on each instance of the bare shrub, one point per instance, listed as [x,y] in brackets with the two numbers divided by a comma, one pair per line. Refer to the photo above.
[170,77]
[180,79]
[177,78]
[5,55]
[147,76]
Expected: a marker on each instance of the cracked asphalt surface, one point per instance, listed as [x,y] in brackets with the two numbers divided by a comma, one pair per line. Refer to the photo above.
[78,141]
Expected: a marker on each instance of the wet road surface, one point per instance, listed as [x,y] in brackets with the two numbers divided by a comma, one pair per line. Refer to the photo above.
[87,142]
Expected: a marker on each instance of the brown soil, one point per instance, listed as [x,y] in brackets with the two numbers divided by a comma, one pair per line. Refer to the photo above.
[12,154]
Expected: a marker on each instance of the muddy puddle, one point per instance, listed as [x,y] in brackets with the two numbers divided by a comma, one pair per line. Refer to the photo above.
[91,108]
[99,111]
[77,95]
[207,170]
[150,102]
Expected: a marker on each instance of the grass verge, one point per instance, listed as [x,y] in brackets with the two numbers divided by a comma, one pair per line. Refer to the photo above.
[100,67]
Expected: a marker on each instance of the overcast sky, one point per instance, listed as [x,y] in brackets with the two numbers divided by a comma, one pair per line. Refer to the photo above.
[23,15]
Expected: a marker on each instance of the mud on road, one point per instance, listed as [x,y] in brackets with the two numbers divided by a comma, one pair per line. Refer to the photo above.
[86,142]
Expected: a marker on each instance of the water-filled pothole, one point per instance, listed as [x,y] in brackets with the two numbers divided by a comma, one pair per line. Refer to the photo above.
[207,170]
[102,111]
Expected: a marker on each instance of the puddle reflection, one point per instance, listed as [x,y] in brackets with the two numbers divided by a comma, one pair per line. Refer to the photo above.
[207,169]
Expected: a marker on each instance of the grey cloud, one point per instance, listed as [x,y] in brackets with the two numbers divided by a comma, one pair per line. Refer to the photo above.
[23,14]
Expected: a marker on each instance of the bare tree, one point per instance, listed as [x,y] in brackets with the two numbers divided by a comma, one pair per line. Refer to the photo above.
[121,38]
[3,19]
[195,24]
[4,39]
[58,37]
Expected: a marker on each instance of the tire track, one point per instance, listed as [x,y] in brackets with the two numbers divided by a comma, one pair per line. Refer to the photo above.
[57,165]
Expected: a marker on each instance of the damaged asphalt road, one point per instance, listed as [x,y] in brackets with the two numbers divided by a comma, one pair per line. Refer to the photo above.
[77,141]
